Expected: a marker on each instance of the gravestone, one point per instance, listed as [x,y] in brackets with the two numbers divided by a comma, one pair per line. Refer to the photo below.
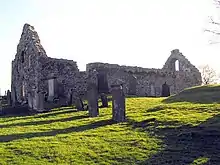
[40,101]
[61,90]
[132,85]
[152,90]
[9,101]
[1,106]
[118,103]
[92,96]
[70,97]
[76,100]
[102,83]
[79,104]
[14,97]
[30,101]
[104,100]
[165,90]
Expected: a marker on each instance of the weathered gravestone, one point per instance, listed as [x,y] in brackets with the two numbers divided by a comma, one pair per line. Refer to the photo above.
[70,97]
[165,90]
[30,101]
[1,106]
[38,102]
[9,101]
[152,90]
[79,104]
[60,90]
[77,101]
[14,97]
[104,100]
[92,96]
[118,103]
[132,84]
[102,83]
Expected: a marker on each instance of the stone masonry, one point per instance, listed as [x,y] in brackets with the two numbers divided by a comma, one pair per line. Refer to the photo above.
[33,72]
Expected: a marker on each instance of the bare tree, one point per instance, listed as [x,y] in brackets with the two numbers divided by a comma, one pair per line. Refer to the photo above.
[214,25]
[208,75]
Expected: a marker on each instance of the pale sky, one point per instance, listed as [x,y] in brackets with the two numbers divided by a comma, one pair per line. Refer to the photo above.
[126,32]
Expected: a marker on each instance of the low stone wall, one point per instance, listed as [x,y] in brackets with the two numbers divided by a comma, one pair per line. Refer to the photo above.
[148,81]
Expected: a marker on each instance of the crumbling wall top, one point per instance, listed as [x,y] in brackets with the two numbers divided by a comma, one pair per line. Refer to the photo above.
[184,64]
[107,66]
[29,42]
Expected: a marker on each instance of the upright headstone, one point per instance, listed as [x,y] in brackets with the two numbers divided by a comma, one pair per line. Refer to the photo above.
[118,103]
[14,97]
[165,90]
[70,97]
[152,90]
[79,104]
[132,84]
[40,101]
[102,83]
[30,101]
[60,90]
[92,96]
[1,106]
[9,101]
[104,100]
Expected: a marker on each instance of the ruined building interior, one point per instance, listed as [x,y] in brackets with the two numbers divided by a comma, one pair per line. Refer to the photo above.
[33,72]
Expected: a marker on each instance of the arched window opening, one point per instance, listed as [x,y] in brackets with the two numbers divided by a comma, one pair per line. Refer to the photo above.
[22,56]
[177,65]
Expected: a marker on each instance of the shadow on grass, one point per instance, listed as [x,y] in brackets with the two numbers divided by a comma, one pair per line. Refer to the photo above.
[8,138]
[43,122]
[156,108]
[37,115]
[201,95]
[184,144]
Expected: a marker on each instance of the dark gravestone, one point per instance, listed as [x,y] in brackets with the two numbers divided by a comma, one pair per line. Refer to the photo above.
[118,103]
[79,104]
[40,101]
[132,84]
[70,97]
[76,100]
[9,101]
[14,97]
[1,107]
[102,83]
[92,96]
[104,100]
[60,90]
[165,90]
[30,101]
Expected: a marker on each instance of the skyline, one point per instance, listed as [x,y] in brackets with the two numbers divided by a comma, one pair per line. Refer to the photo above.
[120,32]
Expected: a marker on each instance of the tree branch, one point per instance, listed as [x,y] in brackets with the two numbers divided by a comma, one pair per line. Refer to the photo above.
[213,22]
[211,31]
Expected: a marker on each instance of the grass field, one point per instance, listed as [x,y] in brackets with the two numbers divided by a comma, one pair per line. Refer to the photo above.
[182,129]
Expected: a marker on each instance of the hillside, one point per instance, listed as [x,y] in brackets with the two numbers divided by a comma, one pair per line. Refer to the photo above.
[181,129]
[201,94]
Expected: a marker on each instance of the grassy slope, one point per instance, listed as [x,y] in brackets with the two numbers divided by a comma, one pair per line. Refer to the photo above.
[156,132]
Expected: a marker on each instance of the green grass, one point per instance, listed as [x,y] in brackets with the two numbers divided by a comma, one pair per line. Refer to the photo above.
[202,94]
[156,132]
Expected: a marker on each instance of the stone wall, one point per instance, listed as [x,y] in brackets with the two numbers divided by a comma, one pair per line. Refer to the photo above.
[25,64]
[149,81]
[32,68]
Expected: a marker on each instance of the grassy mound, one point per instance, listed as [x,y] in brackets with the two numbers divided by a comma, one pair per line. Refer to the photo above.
[202,94]
[155,133]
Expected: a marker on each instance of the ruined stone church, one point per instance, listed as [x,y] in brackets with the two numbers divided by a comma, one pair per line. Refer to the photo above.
[33,72]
